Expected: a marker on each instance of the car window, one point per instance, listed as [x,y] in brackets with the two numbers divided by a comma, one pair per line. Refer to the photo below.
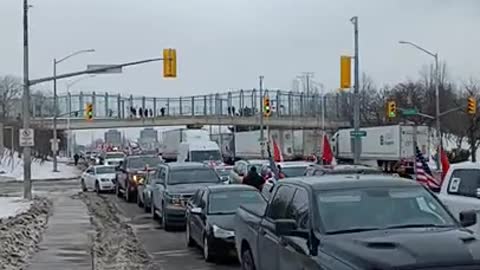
[299,210]
[465,182]
[294,171]
[380,208]
[90,171]
[197,197]
[162,176]
[280,201]
[227,202]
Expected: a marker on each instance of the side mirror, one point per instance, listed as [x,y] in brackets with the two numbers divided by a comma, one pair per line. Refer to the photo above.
[196,211]
[285,226]
[468,218]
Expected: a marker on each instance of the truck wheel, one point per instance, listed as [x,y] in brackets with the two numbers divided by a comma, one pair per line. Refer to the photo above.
[165,224]
[247,260]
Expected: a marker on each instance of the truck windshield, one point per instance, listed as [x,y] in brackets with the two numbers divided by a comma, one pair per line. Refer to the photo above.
[200,156]
[190,176]
[380,208]
[141,162]
[227,202]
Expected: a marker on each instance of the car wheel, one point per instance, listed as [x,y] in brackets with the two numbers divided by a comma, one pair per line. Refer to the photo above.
[207,254]
[190,242]
[146,207]
[84,187]
[139,202]
[97,187]
[165,224]
[152,211]
[247,260]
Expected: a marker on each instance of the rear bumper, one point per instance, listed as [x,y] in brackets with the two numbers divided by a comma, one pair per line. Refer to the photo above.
[175,215]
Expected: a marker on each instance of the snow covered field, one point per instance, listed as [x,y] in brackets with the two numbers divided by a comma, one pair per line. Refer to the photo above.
[40,170]
[13,206]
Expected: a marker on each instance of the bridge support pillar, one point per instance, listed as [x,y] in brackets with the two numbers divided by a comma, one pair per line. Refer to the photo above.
[154,107]
[107,113]
[94,102]
[120,112]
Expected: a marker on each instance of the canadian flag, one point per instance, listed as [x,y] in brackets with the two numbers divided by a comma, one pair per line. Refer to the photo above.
[277,153]
[327,153]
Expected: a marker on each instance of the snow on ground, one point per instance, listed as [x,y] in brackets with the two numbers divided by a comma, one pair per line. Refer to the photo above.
[13,206]
[41,170]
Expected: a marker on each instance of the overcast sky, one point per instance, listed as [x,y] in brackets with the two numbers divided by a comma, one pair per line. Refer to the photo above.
[227,44]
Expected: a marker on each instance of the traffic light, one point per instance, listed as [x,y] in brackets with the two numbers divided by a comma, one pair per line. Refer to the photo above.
[471,106]
[169,63]
[391,109]
[345,72]
[89,112]
[266,107]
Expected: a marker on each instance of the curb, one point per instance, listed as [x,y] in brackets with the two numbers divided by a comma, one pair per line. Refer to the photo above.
[44,180]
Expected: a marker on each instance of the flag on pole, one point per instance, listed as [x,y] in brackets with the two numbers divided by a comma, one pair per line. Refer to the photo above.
[277,153]
[444,162]
[423,173]
[327,153]
[272,164]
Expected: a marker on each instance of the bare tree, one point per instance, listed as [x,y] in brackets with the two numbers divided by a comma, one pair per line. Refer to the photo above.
[472,88]
[10,89]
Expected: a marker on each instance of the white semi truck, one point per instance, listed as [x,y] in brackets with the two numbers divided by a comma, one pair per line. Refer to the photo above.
[189,145]
[382,145]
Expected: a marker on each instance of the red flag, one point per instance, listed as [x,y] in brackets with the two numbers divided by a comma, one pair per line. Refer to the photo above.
[327,155]
[277,153]
[445,163]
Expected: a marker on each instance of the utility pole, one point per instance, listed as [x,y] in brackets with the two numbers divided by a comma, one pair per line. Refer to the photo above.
[262,138]
[55,111]
[27,173]
[356,101]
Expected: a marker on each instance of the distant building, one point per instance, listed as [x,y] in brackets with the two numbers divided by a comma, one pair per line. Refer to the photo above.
[113,137]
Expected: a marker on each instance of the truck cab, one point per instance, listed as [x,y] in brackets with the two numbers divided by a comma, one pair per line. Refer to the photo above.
[460,191]
[199,151]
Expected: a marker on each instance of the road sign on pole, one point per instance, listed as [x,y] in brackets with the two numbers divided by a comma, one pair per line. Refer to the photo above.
[409,112]
[360,133]
[113,70]
[26,137]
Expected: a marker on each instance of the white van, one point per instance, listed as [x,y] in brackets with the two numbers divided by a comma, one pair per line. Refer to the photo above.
[199,151]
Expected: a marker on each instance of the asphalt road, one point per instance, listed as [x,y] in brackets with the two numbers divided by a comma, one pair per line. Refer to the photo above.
[168,249]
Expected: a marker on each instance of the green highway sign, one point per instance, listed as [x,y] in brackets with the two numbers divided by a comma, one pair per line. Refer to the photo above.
[360,133]
[409,112]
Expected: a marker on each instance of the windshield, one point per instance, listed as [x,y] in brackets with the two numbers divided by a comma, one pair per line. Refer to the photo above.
[294,171]
[227,202]
[105,169]
[223,172]
[380,208]
[189,176]
[114,155]
[141,162]
[200,156]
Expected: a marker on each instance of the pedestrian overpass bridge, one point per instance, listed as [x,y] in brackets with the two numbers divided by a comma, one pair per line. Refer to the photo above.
[235,108]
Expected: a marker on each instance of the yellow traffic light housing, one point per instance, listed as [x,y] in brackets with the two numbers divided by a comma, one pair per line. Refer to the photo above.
[266,107]
[471,105]
[89,112]
[391,109]
[345,72]
[169,63]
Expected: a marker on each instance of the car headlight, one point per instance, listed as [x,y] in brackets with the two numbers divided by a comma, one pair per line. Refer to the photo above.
[222,233]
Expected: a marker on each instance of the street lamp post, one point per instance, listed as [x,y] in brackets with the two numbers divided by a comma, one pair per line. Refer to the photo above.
[437,93]
[55,101]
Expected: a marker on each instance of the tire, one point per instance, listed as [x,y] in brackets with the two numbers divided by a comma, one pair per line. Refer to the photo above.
[152,211]
[190,242]
[84,188]
[165,224]
[207,254]
[97,188]
[146,207]
[247,260]
[139,202]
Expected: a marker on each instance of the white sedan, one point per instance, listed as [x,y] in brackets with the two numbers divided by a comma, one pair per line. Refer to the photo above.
[98,178]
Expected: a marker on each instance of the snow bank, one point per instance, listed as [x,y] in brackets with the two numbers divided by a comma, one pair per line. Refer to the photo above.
[13,206]
[40,170]
[21,234]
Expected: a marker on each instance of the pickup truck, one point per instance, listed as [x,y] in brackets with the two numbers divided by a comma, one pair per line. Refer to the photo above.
[350,222]
[460,190]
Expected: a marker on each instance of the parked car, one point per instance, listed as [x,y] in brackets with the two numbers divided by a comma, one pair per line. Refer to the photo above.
[210,215]
[289,168]
[98,178]
[241,168]
[173,185]
[131,172]
[338,222]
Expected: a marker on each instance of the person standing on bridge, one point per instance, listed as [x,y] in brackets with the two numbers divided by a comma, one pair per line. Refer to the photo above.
[140,112]
[151,112]
[162,111]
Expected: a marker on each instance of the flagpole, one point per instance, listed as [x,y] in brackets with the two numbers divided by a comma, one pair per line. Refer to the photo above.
[415,150]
